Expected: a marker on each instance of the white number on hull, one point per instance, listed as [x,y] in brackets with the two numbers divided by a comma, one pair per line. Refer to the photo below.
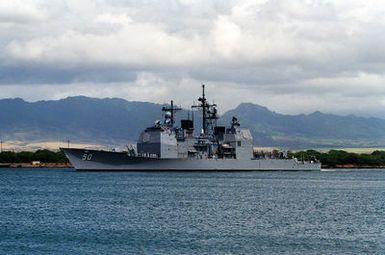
[87,157]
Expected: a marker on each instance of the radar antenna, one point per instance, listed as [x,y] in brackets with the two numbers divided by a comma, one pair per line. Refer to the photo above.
[172,110]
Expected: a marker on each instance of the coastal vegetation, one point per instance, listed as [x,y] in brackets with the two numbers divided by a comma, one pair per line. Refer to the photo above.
[332,158]
[45,156]
[336,158]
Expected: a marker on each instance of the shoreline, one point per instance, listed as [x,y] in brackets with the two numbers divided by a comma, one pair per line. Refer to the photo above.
[40,165]
[68,165]
[353,166]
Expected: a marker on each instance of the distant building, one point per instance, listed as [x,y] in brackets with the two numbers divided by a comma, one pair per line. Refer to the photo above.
[35,163]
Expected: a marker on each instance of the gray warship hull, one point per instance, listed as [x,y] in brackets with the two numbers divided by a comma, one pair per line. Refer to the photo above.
[98,160]
[168,147]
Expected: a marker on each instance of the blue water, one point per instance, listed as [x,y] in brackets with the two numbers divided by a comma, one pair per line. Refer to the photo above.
[59,211]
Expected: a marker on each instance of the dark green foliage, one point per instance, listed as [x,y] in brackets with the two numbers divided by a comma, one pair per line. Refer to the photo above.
[45,156]
[340,157]
[8,157]
[25,156]
[331,158]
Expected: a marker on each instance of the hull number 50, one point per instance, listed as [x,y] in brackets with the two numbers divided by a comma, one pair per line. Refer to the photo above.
[87,157]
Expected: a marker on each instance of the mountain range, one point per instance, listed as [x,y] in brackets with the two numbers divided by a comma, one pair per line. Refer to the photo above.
[117,121]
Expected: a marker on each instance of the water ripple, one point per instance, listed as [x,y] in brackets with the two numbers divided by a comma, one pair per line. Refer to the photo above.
[56,211]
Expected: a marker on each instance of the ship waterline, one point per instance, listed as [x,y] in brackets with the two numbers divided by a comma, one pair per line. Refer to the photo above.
[96,160]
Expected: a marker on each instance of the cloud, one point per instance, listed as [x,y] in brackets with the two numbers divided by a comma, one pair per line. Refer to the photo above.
[138,45]
[298,55]
[18,11]
[108,18]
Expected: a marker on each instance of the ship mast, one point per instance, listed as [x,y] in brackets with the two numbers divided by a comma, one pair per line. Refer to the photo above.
[172,109]
[209,113]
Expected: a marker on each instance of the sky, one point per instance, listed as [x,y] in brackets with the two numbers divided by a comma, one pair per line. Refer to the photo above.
[295,56]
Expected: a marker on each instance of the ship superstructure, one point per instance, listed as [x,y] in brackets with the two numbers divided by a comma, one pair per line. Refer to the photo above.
[166,146]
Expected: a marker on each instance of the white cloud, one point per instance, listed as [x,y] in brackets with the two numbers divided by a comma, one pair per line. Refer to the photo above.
[117,19]
[309,54]
[135,45]
[17,11]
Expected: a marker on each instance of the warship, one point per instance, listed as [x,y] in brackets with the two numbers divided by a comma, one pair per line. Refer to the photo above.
[166,146]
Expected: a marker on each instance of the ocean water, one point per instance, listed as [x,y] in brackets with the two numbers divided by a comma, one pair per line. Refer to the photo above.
[60,211]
